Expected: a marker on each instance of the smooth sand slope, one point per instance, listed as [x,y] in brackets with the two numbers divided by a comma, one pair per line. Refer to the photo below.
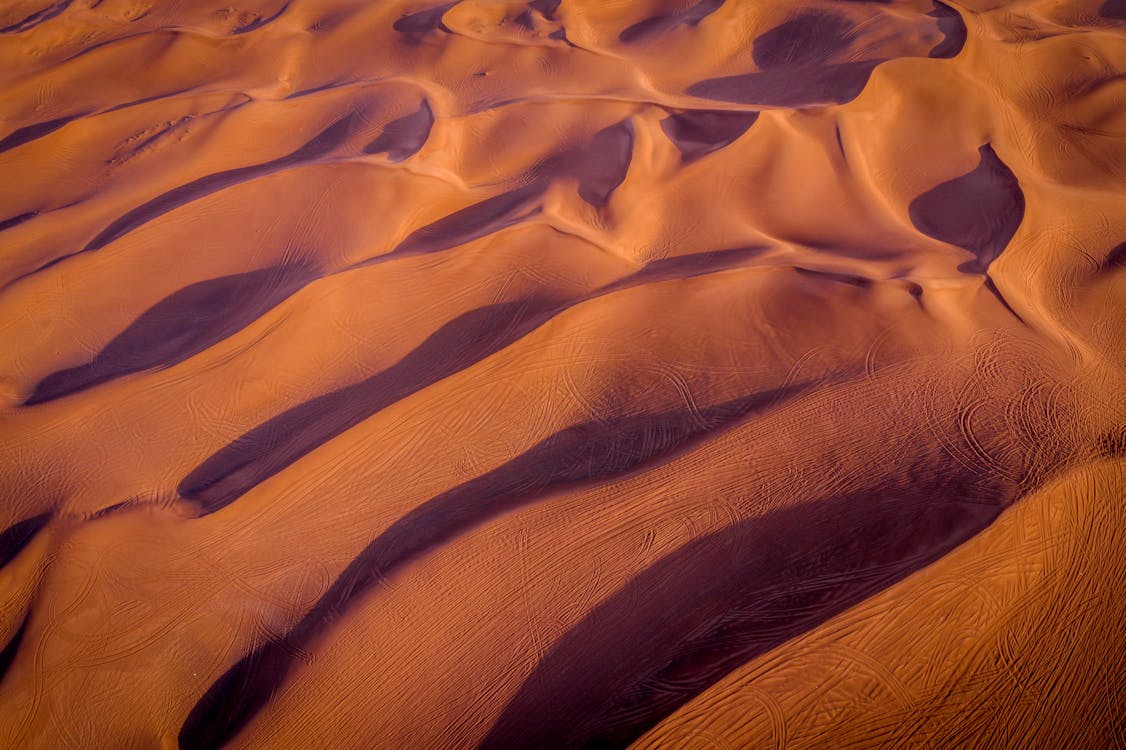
[565,373]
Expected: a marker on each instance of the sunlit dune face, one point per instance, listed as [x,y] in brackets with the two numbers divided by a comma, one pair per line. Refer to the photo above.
[504,374]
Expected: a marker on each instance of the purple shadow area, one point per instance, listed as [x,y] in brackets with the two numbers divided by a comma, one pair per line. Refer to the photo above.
[582,453]
[795,66]
[38,17]
[180,326]
[978,212]
[953,29]
[804,61]
[17,220]
[471,223]
[1116,258]
[12,541]
[545,8]
[17,536]
[8,655]
[38,130]
[861,282]
[697,133]
[602,165]
[665,22]
[402,138]
[323,143]
[282,440]
[790,87]
[415,26]
[1115,9]
[694,616]
[809,38]
[260,22]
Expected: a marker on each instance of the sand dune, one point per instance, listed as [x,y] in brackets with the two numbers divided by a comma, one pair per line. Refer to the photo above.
[565,373]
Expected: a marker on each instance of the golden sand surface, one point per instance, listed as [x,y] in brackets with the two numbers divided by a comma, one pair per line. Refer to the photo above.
[565,373]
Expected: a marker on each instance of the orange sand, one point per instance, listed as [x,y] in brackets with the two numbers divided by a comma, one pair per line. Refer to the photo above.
[649,373]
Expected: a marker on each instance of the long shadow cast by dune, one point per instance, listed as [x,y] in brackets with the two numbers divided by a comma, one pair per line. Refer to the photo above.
[804,61]
[323,143]
[665,22]
[1116,258]
[978,212]
[1115,9]
[258,23]
[688,266]
[796,68]
[17,536]
[17,220]
[40,16]
[415,26]
[953,30]
[602,165]
[8,654]
[791,87]
[697,133]
[719,601]
[282,440]
[599,168]
[30,133]
[545,8]
[470,223]
[583,453]
[403,137]
[180,326]
[12,541]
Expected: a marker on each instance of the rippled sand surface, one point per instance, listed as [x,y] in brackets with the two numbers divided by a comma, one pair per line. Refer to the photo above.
[565,373]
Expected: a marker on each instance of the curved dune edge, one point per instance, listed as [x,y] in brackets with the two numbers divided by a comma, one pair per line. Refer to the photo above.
[539,374]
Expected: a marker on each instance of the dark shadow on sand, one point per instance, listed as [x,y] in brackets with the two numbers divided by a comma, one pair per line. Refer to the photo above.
[978,212]
[180,326]
[582,453]
[711,606]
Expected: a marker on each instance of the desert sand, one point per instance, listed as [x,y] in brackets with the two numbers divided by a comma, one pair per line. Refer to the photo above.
[566,373]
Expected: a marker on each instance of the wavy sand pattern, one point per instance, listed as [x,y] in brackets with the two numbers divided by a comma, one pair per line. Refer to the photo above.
[565,373]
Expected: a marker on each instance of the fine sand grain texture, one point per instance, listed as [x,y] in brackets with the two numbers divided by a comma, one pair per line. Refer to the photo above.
[498,374]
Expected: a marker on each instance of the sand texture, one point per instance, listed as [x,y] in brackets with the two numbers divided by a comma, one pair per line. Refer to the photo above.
[562,374]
